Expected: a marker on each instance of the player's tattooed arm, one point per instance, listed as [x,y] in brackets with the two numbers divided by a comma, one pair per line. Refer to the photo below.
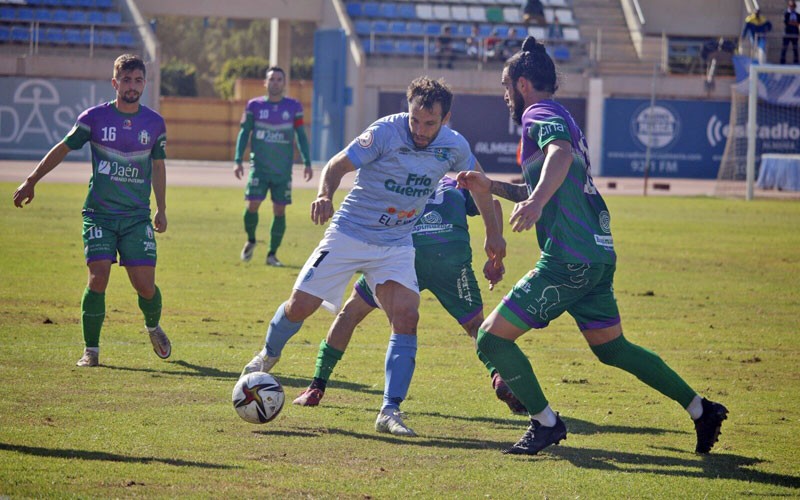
[509,191]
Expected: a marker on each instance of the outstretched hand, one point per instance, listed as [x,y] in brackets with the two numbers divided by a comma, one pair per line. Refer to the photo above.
[24,194]
[474,181]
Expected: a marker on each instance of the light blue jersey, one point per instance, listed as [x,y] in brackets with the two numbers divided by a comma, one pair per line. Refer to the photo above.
[394,180]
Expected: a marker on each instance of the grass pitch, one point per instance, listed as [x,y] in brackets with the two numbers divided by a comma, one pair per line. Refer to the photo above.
[711,285]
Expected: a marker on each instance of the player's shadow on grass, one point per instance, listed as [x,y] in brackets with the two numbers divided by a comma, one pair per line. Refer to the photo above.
[716,465]
[107,457]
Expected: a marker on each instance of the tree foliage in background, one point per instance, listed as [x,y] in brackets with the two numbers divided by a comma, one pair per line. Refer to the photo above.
[209,43]
[178,79]
[233,69]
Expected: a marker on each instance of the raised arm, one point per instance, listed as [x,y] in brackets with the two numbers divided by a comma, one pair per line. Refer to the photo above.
[25,191]
[331,176]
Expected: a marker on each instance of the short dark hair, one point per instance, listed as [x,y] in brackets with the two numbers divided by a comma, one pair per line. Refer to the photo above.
[534,63]
[275,68]
[128,62]
[427,92]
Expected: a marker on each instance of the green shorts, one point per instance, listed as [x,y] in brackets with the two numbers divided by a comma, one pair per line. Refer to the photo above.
[585,291]
[261,180]
[445,270]
[133,239]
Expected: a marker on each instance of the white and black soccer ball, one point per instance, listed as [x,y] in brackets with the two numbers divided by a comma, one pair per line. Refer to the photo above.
[258,397]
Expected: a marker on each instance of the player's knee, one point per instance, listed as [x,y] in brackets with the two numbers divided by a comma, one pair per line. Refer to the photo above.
[404,319]
[609,353]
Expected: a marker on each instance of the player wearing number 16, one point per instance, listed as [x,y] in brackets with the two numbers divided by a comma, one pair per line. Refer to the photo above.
[399,160]
[128,143]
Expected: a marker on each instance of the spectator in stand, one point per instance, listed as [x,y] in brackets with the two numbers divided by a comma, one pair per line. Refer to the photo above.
[444,49]
[493,45]
[756,27]
[510,45]
[533,12]
[791,22]
[555,31]
[475,43]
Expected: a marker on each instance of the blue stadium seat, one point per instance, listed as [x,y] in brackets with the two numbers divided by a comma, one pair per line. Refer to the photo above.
[126,39]
[54,36]
[95,17]
[398,28]
[41,15]
[60,16]
[354,9]
[113,18]
[77,16]
[73,36]
[367,45]
[38,3]
[371,9]
[414,28]
[502,31]
[388,10]
[69,4]
[86,4]
[485,30]
[20,34]
[104,4]
[560,53]
[419,48]
[405,47]
[380,27]
[25,14]
[363,27]
[463,29]
[406,11]
[5,34]
[7,14]
[385,47]
[433,29]
[106,38]
[86,37]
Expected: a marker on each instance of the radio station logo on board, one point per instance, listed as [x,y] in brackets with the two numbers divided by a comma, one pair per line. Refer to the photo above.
[655,126]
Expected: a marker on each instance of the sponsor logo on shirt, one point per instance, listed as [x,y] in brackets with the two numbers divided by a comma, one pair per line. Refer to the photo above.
[550,128]
[415,186]
[119,173]
[144,137]
[441,154]
[365,139]
[604,241]
[271,136]
[127,124]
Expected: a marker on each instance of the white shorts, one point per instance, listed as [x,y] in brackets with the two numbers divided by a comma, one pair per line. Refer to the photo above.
[338,257]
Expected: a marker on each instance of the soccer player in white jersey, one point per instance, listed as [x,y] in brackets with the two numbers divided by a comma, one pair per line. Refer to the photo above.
[398,162]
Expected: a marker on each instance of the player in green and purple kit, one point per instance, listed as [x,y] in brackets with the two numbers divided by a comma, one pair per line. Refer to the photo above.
[269,124]
[128,143]
[443,263]
[575,272]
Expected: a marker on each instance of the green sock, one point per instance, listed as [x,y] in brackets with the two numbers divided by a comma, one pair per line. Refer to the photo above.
[326,361]
[93,312]
[276,233]
[486,362]
[250,224]
[515,369]
[647,366]
[151,309]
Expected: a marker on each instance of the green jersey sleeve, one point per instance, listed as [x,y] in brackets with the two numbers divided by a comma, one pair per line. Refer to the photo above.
[546,131]
[78,136]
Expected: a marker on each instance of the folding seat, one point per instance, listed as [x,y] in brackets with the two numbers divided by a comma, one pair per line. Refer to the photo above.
[5,34]
[380,27]
[459,13]
[398,28]
[73,36]
[20,34]
[388,10]
[441,12]
[371,9]
[363,27]
[406,11]
[405,47]
[425,11]
[95,17]
[512,15]
[7,14]
[477,14]
[125,39]
[433,29]
[572,34]
[41,15]
[77,16]
[60,16]
[113,18]
[415,28]
[25,14]
[354,9]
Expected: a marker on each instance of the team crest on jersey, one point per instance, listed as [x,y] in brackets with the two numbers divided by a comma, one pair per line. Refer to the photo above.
[149,232]
[127,124]
[605,221]
[144,137]
[365,139]
[441,154]
[432,217]
[285,115]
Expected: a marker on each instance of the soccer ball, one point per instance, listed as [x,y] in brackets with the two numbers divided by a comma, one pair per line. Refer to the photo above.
[258,397]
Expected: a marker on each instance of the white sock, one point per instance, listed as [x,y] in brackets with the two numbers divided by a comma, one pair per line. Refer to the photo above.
[95,350]
[151,330]
[546,417]
[263,353]
[695,408]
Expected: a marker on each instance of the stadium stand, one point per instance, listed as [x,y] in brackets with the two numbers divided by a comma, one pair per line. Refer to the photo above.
[51,24]
[397,30]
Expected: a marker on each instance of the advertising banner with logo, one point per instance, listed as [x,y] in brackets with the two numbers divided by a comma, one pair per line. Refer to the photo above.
[485,122]
[36,113]
[686,138]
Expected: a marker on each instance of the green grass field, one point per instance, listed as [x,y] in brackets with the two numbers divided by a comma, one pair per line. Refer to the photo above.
[711,285]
